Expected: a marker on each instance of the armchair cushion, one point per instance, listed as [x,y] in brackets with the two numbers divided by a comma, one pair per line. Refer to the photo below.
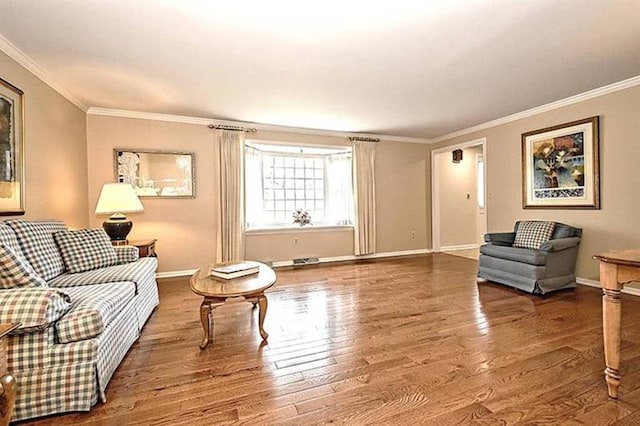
[38,246]
[93,309]
[16,272]
[560,244]
[532,233]
[36,308]
[516,254]
[85,249]
[500,238]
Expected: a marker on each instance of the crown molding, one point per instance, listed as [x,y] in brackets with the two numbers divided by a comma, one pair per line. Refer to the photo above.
[109,112]
[32,66]
[581,97]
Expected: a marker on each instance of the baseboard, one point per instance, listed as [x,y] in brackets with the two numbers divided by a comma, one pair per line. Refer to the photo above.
[189,272]
[461,247]
[176,274]
[593,283]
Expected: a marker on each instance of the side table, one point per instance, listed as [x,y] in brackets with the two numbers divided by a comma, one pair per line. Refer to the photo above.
[7,382]
[147,247]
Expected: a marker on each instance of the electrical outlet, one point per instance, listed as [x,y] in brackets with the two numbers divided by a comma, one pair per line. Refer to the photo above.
[295,240]
[413,234]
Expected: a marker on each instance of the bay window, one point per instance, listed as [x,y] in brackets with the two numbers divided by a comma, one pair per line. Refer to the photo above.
[281,179]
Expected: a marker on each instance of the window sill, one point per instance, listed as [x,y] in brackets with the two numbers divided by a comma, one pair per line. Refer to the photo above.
[298,229]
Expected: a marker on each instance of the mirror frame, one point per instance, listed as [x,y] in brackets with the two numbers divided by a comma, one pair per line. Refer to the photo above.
[117,151]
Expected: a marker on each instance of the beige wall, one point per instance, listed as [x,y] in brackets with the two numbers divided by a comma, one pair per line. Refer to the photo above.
[617,224]
[55,150]
[185,228]
[458,214]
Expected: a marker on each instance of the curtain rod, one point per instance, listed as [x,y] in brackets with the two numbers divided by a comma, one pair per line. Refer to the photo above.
[363,139]
[232,128]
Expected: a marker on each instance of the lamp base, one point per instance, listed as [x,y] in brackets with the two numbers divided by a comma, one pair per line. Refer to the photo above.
[117,228]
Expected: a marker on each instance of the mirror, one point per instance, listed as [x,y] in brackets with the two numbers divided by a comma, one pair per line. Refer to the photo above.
[161,174]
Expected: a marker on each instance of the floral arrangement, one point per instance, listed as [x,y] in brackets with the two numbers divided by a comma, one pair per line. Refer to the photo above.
[302,217]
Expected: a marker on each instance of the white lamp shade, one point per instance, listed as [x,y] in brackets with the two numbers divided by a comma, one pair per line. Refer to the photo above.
[118,198]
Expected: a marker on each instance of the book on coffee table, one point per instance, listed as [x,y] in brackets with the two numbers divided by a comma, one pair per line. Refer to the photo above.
[235,270]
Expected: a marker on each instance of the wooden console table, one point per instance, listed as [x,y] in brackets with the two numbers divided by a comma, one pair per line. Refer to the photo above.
[7,382]
[616,270]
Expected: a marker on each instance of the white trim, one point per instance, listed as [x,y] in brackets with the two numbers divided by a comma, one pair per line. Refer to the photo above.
[581,97]
[592,283]
[460,247]
[435,187]
[350,257]
[258,126]
[176,274]
[32,66]
[299,229]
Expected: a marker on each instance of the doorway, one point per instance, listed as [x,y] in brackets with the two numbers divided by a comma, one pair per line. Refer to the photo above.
[459,197]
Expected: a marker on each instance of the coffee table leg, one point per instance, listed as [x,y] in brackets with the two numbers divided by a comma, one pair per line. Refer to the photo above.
[205,318]
[262,302]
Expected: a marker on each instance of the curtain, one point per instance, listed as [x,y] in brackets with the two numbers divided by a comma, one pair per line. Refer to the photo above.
[364,155]
[230,215]
[339,189]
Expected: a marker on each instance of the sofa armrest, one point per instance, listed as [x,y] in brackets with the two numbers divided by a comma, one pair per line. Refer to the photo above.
[500,238]
[126,254]
[36,308]
[560,244]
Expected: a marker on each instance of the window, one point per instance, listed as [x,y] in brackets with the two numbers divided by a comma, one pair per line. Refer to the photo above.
[280,179]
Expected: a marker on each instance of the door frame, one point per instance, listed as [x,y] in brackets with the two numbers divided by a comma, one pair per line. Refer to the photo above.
[435,187]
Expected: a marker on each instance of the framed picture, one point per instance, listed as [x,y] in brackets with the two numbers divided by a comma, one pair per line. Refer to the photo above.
[560,166]
[162,174]
[11,150]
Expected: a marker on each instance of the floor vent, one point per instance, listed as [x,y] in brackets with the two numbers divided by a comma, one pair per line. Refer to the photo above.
[305,261]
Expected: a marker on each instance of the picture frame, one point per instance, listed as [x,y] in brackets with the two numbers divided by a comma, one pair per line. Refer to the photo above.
[156,174]
[12,169]
[560,166]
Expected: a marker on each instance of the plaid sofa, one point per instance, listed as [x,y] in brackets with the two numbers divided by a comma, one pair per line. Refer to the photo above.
[77,327]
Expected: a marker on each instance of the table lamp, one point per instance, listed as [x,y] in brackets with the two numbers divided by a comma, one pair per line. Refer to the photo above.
[116,199]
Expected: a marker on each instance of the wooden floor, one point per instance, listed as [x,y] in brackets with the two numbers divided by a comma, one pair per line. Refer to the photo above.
[404,341]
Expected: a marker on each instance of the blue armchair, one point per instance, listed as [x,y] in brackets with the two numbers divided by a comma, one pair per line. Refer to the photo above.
[549,268]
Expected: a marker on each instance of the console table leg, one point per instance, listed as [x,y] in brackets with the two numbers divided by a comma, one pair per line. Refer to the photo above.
[611,313]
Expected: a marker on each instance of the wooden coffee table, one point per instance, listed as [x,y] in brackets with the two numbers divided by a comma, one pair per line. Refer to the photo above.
[216,291]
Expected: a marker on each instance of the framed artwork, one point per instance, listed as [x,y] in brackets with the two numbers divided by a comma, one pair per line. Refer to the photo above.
[162,174]
[560,166]
[11,150]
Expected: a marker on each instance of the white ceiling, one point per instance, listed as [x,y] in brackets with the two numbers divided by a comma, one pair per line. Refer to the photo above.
[405,68]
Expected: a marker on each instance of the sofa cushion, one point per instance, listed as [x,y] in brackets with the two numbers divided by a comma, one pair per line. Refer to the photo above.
[9,239]
[134,272]
[85,249]
[16,271]
[127,254]
[38,246]
[522,255]
[93,308]
[533,233]
[34,307]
